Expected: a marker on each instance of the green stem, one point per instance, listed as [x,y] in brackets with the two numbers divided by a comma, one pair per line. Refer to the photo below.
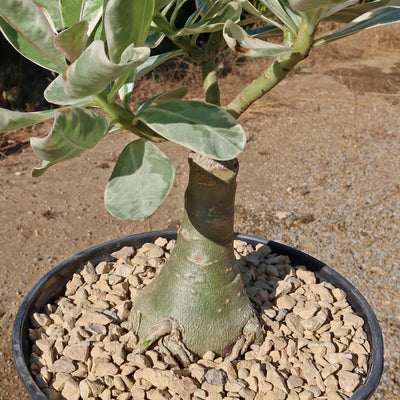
[276,72]
[120,114]
[200,286]
[210,82]
[209,70]
[125,118]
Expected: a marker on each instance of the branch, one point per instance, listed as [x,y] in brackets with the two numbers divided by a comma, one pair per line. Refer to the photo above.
[276,72]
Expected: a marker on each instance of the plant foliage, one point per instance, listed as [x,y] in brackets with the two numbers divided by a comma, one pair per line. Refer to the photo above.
[99,49]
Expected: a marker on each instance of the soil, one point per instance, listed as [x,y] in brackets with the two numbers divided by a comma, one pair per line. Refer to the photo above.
[320,173]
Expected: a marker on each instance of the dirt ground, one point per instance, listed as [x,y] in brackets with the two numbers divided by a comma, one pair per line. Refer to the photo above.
[320,173]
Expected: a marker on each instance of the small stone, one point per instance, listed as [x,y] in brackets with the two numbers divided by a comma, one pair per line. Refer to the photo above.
[64,365]
[139,360]
[209,356]
[275,377]
[71,390]
[216,376]
[293,322]
[308,277]
[314,323]
[353,320]
[286,302]
[106,368]
[93,317]
[275,394]
[77,352]
[39,319]
[234,385]
[123,270]
[348,381]
[306,395]
[247,394]
[125,253]
[294,382]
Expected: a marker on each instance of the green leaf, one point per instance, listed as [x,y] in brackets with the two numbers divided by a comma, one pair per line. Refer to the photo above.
[352,11]
[173,94]
[159,4]
[309,5]
[238,40]
[92,72]
[54,93]
[11,120]
[126,22]
[72,41]
[201,127]
[74,131]
[154,39]
[285,13]
[371,19]
[70,12]
[248,7]
[29,31]
[214,23]
[125,91]
[92,12]
[148,65]
[53,8]
[140,181]
[154,61]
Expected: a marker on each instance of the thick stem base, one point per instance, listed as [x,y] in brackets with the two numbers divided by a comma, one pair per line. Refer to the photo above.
[200,286]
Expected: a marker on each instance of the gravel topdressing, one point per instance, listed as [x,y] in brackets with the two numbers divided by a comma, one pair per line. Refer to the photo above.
[314,345]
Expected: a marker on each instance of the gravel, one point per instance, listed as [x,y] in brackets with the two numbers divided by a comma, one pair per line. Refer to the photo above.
[314,345]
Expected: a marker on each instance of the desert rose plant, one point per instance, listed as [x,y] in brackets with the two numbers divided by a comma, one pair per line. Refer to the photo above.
[97,50]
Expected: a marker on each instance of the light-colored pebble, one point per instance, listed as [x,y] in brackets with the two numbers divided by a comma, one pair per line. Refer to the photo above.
[314,346]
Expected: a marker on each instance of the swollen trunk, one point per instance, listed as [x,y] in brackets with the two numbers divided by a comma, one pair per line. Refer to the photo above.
[200,286]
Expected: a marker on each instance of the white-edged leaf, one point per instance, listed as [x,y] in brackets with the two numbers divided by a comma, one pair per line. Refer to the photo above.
[92,12]
[92,72]
[148,65]
[140,181]
[11,120]
[201,127]
[238,40]
[154,61]
[309,5]
[371,19]
[214,23]
[287,15]
[353,11]
[54,93]
[74,131]
[125,91]
[126,22]
[53,9]
[173,94]
[28,30]
[70,11]
[336,9]
[72,41]
[247,6]
[154,39]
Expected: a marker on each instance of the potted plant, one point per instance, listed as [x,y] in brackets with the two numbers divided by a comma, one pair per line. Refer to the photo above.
[98,50]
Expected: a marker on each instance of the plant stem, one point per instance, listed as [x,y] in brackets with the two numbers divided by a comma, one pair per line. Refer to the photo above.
[123,116]
[210,82]
[200,285]
[275,72]
[209,70]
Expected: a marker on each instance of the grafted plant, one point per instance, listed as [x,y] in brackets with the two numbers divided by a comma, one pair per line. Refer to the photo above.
[98,50]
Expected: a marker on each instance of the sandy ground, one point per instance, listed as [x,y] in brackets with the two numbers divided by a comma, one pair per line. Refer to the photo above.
[323,148]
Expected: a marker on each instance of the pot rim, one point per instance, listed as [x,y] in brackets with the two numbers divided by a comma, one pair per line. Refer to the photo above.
[99,252]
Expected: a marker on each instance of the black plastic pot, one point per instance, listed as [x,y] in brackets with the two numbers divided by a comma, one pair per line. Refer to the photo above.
[51,286]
